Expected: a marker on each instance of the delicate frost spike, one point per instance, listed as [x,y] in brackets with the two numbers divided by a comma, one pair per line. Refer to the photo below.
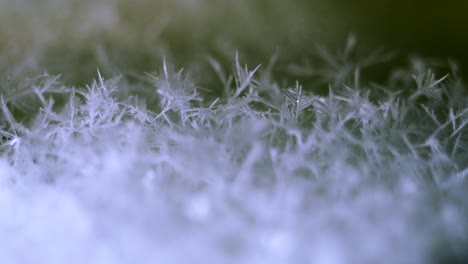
[12,138]
[436,82]
[101,80]
[27,94]
[427,85]
[217,69]
[328,57]
[176,93]
[356,78]
[40,95]
[243,77]
[297,100]
[50,80]
[214,103]
[8,115]
[463,123]
[432,115]
[166,74]
[105,87]
[350,45]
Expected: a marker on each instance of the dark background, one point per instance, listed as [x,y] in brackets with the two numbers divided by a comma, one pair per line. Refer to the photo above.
[414,27]
[186,32]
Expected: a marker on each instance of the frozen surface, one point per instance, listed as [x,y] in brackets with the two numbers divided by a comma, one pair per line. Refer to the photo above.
[109,181]
[156,168]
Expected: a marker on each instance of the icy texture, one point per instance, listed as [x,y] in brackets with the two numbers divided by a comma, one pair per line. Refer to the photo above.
[241,167]
[259,175]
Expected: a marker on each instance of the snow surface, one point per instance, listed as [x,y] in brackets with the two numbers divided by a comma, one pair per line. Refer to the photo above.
[156,169]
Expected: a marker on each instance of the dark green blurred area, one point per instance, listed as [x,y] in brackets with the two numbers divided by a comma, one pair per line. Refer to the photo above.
[427,28]
[74,38]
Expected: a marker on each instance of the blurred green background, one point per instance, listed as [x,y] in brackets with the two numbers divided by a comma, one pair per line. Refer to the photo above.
[429,28]
[75,37]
